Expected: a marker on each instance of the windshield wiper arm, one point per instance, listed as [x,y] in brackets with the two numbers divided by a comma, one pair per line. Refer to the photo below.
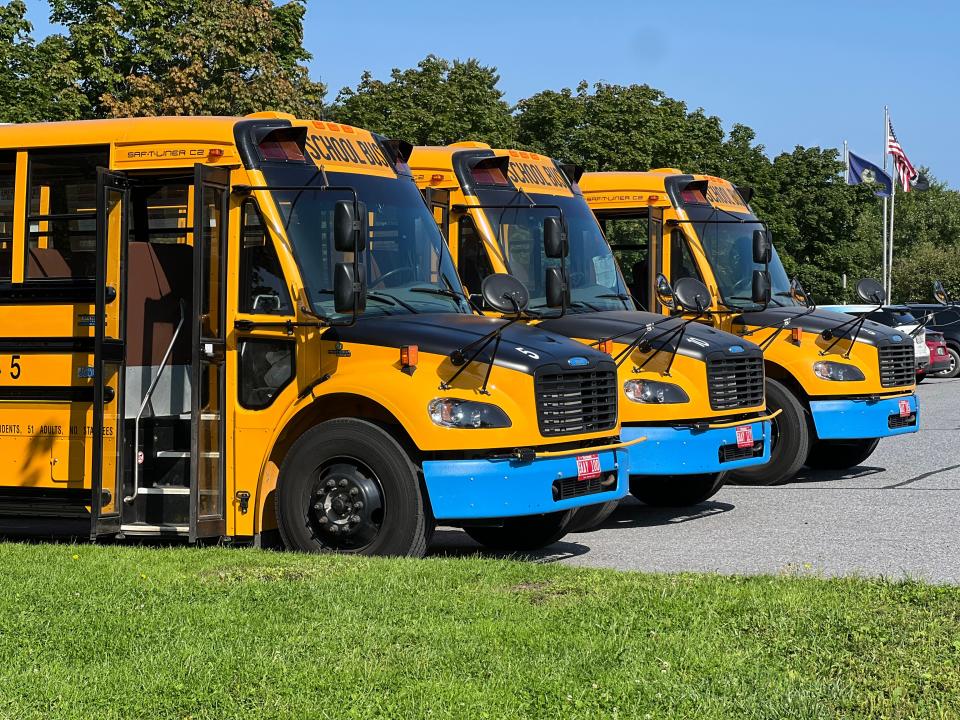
[389,299]
[583,303]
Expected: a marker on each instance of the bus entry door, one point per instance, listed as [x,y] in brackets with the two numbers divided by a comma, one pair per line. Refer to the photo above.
[207,481]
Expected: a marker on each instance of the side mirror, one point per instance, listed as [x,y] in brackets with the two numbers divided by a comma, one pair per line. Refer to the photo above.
[504,293]
[558,294]
[349,228]
[761,287]
[665,294]
[762,246]
[692,295]
[940,293]
[871,291]
[349,292]
[554,238]
[797,293]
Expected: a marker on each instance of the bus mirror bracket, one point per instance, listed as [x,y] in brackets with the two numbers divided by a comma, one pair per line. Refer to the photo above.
[940,293]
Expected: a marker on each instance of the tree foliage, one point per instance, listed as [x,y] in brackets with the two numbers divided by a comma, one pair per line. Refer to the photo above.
[189,57]
[436,103]
[38,81]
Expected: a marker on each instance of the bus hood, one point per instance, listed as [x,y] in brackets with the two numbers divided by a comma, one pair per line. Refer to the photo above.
[872,333]
[699,341]
[523,348]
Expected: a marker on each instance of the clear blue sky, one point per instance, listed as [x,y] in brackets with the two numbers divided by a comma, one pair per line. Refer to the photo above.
[807,73]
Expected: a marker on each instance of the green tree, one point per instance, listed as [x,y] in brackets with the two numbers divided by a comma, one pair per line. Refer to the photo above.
[436,103]
[619,127]
[926,238]
[190,57]
[38,81]
[814,216]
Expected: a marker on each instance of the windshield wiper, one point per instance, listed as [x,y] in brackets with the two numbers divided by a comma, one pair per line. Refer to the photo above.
[584,303]
[389,299]
[626,299]
[459,357]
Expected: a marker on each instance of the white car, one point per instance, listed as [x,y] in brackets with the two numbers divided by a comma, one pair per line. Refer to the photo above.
[895,316]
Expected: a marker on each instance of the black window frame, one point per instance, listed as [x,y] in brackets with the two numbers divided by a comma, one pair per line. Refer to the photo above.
[241,344]
[243,287]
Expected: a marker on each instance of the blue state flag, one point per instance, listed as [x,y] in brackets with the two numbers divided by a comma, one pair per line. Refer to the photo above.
[865,172]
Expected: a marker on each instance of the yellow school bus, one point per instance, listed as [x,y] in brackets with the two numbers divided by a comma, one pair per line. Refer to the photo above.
[841,384]
[251,328]
[694,392]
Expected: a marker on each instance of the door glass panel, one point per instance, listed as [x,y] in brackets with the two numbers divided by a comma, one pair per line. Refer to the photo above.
[211,224]
[210,460]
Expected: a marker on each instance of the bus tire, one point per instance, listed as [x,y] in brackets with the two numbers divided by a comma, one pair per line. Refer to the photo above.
[347,486]
[840,454]
[676,490]
[790,441]
[523,534]
[589,517]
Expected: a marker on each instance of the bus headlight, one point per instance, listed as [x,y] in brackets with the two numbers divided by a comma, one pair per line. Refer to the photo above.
[454,413]
[650,391]
[841,372]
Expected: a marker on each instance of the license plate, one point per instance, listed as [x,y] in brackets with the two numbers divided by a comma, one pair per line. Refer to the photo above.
[745,436]
[904,408]
[588,467]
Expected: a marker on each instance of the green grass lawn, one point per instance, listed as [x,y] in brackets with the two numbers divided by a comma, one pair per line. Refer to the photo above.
[103,632]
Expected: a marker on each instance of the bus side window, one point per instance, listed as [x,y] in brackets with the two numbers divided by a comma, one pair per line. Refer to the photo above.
[472,261]
[682,263]
[262,287]
[8,169]
[62,213]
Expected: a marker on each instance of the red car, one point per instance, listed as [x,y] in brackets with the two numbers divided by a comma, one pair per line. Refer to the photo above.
[939,357]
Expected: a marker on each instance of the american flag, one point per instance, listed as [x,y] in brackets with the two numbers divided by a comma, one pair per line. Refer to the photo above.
[905,169]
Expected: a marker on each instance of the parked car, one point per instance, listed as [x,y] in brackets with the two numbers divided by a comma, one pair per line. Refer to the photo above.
[939,357]
[895,316]
[946,319]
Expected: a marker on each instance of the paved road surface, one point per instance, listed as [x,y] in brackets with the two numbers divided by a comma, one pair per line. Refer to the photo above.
[896,516]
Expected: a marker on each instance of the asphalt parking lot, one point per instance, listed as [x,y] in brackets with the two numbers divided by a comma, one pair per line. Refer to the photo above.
[894,516]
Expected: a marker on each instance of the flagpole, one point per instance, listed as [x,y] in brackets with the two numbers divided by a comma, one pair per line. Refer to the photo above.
[893,205]
[886,125]
[846,161]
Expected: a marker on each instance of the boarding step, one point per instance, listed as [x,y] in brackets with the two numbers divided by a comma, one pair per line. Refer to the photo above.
[183,454]
[203,416]
[166,490]
[147,530]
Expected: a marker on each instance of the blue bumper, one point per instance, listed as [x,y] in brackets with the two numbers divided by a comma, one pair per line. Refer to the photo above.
[472,489]
[859,418]
[685,451]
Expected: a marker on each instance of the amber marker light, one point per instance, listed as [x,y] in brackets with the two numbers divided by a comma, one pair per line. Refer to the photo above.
[409,357]
[797,334]
[605,346]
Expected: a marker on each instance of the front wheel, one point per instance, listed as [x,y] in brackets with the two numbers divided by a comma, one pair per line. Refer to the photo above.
[589,517]
[789,440]
[840,454]
[676,490]
[347,486]
[520,534]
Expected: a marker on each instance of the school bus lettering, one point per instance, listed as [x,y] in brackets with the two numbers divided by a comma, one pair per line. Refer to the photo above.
[724,195]
[532,174]
[330,148]
[168,154]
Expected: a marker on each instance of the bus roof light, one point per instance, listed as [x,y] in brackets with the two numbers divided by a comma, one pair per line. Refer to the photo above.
[215,153]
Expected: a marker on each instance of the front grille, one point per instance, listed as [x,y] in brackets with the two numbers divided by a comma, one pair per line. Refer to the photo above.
[581,401]
[572,488]
[735,382]
[897,365]
[731,453]
[899,421]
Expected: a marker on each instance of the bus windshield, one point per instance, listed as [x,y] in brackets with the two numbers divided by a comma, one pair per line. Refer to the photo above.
[728,245]
[594,278]
[408,265]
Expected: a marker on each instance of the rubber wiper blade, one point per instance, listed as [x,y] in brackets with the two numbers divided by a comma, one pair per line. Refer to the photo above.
[389,299]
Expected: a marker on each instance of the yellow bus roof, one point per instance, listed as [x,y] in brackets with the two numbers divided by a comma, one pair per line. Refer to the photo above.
[159,142]
[631,190]
[530,171]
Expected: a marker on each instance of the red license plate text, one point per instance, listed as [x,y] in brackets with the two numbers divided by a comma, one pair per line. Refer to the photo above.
[744,436]
[904,408]
[588,467]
